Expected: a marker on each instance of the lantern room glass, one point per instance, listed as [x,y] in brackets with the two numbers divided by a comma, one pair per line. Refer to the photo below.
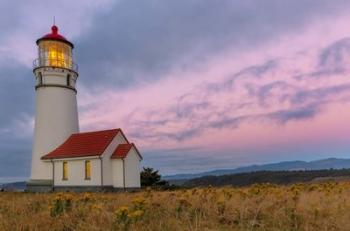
[56,54]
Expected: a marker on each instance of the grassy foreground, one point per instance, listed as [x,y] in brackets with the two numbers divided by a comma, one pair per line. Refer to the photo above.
[259,207]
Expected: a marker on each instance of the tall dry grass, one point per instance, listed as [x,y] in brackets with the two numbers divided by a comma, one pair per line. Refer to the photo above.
[318,207]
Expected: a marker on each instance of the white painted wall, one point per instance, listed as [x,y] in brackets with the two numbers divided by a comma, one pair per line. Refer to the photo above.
[76,172]
[132,169]
[56,118]
[106,158]
[117,173]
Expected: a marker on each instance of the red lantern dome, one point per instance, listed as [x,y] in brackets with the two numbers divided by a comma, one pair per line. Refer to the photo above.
[54,35]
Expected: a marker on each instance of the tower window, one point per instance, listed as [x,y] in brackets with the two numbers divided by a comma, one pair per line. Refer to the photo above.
[68,80]
[40,79]
[65,170]
[87,170]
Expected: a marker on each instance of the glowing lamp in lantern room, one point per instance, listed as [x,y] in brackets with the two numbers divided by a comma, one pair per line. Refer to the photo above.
[55,51]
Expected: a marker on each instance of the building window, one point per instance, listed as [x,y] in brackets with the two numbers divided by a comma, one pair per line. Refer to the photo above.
[87,170]
[68,80]
[65,170]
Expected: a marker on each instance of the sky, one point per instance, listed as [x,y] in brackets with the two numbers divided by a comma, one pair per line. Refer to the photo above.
[196,84]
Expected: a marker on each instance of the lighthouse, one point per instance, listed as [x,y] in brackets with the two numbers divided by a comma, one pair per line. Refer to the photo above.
[56,114]
[64,159]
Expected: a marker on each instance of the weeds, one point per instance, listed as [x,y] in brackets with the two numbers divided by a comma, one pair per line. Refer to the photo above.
[311,207]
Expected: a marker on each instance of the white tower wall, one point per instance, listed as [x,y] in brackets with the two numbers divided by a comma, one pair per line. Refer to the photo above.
[56,115]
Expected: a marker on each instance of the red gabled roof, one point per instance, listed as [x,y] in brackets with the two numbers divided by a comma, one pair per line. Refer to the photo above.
[84,144]
[122,151]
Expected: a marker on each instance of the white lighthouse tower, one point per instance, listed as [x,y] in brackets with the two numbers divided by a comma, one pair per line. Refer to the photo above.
[56,115]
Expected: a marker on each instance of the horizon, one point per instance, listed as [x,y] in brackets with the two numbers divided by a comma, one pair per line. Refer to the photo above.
[24,179]
[241,83]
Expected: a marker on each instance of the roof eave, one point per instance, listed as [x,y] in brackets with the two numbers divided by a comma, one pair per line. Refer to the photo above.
[55,39]
[71,158]
[137,151]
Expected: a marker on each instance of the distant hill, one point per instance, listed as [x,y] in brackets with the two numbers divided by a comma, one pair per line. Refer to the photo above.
[273,177]
[330,163]
[15,186]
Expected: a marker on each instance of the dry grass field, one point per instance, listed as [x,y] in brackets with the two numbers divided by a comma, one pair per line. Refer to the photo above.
[321,206]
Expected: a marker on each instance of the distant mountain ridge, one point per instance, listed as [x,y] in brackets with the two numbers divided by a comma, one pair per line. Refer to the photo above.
[271,177]
[15,186]
[330,163]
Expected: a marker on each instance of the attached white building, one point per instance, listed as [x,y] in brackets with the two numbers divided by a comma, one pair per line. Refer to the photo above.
[102,159]
[63,158]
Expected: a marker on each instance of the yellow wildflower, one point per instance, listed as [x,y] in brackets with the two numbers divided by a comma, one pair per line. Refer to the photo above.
[136,214]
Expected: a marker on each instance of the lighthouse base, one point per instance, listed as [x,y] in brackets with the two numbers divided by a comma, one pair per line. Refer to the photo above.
[39,186]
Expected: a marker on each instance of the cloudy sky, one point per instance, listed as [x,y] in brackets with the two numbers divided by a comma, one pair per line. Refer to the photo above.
[196,84]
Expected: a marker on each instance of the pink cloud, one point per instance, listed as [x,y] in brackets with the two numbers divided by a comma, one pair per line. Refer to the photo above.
[278,95]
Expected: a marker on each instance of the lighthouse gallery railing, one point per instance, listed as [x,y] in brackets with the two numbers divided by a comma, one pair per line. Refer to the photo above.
[62,63]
